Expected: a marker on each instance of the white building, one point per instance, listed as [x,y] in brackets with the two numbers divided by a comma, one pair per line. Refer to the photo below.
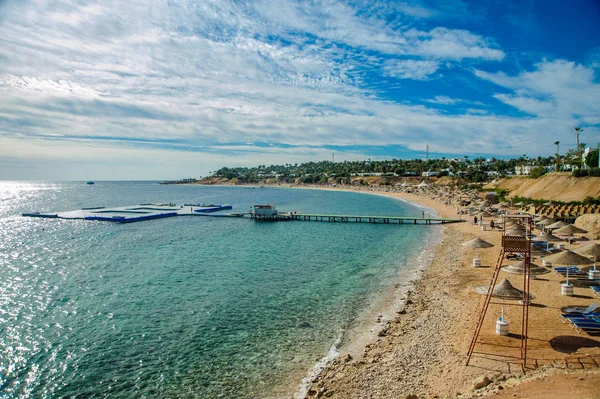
[265,209]
[524,170]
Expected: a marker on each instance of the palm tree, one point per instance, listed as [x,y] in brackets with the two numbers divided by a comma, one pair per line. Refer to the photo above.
[578,130]
[556,143]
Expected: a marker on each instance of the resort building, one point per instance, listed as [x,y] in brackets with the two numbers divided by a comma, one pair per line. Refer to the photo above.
[524,170]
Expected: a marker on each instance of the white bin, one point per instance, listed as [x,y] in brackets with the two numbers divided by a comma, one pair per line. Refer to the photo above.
[566,289]
[502,327]
[483,227]
[476,262]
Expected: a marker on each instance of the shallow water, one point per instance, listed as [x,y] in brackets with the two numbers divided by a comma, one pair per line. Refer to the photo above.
[187,306]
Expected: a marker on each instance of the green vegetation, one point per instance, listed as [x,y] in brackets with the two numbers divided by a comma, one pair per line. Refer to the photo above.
[464,170]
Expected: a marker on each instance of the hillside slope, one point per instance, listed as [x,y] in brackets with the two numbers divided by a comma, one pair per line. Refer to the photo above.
[552,186]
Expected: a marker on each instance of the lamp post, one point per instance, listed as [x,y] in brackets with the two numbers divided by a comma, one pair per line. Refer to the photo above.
[556,143]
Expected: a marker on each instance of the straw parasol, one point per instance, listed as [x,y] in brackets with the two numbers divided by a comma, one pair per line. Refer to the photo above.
[476,244]
[546,222]
[519,268]
[519,204]
[548,238]
[591,251]
[568,258]
[570,230]
[556,225]
[484,214]
[549,203]
[503,290]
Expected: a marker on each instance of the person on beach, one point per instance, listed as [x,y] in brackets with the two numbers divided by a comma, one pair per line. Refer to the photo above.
[475,220]
[492,224]
[422,214]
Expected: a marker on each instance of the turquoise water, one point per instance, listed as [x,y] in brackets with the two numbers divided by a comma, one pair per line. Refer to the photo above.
[187,306]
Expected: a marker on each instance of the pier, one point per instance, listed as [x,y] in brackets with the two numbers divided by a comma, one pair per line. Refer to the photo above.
[351,218]
[143,212]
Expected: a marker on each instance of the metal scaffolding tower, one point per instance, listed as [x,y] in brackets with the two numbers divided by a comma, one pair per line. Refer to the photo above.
[511,244]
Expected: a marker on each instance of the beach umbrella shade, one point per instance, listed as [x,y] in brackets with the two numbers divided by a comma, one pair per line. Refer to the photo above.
[557,225]
[568,258]
[539,218]
[548,238]
[476,244]
[549,203]
[520,204]
[569,230]
[546,222]
[591,251]
[503,290]
[519,268]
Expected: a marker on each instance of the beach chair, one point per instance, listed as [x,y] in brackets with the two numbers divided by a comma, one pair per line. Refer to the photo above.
[596,290]
[589,325]
[581,310]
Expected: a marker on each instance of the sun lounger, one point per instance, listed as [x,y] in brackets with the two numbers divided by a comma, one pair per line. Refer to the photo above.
[585,325]
[581,310]
[586,282]
[596,290]
[573,271]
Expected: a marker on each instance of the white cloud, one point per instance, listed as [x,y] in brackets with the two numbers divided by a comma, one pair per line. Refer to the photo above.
[444,100]
[410,69]
[453,44]
[555,89]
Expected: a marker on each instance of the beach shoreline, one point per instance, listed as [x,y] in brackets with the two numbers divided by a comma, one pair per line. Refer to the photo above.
[422,350]
[378,315]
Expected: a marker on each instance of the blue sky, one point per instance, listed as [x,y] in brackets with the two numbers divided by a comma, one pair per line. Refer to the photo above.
[170,89]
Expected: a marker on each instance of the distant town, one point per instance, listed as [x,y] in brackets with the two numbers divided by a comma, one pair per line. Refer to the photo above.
[476,170]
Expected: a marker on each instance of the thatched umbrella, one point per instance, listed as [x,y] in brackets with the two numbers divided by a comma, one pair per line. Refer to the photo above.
[548,238]
[520,204]
[591,251]
[503,290]
[557,225]
[476,244]
[568,258]
[484,214]
[519,268]
[570,230]
[546,222]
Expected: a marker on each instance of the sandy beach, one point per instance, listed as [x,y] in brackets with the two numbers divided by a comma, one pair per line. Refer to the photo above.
[422,351]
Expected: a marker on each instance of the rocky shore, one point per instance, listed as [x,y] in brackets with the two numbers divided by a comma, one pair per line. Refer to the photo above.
[421,352]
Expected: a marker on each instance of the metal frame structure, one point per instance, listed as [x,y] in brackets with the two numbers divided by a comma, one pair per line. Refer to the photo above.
[511,245]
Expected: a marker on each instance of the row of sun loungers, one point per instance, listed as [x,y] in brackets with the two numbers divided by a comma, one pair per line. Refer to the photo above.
[587,320]
[574,271]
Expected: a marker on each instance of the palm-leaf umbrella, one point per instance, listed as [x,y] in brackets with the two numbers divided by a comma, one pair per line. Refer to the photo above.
[591,251]
[477,243]
[568,258]
[548,238]
[519,268]
[503,290]
[570,230]
[557,225]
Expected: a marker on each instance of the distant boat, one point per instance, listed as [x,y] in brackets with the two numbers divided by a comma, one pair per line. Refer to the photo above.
[91,182]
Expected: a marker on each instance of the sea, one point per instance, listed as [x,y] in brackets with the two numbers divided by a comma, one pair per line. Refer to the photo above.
[187,307]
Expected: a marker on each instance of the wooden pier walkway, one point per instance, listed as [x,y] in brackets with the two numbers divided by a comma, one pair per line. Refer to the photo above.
[352,219]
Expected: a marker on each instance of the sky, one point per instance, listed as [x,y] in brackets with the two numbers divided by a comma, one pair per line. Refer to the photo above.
[165,89]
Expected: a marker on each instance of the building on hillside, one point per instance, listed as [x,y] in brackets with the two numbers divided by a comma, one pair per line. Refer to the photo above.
[523,170]
[430,173]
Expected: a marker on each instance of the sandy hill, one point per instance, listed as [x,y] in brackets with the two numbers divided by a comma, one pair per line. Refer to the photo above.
[552,186]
